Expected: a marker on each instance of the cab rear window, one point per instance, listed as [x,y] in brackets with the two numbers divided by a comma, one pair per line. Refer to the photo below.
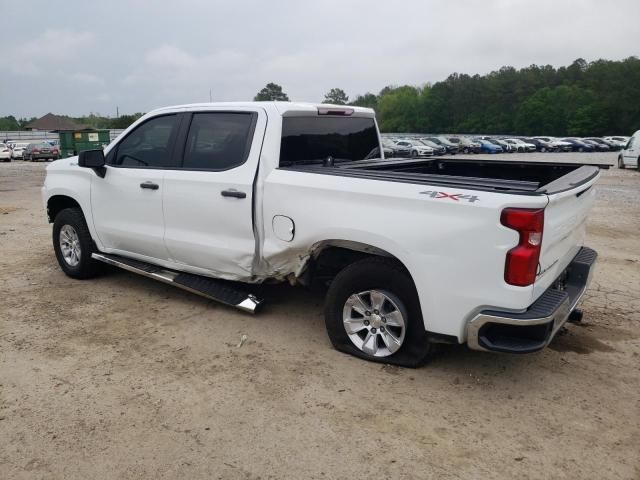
[314,138]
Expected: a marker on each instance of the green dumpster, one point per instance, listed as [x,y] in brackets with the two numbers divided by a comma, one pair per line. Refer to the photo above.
[74,141]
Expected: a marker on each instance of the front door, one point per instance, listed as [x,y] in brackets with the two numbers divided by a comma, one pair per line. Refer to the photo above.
[127,203]
[631,152]
[208,201]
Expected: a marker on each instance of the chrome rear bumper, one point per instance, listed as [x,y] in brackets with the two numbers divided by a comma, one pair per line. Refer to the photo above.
[533,329]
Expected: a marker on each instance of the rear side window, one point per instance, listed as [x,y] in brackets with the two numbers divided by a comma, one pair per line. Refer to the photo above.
[150,145]
[218,140]
[307,139]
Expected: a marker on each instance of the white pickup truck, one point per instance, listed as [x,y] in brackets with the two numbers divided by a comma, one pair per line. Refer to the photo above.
[213,198]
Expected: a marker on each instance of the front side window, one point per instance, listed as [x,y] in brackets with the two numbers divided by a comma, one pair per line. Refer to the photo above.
[150,145]
[630,144]
[313,139]
[218,140]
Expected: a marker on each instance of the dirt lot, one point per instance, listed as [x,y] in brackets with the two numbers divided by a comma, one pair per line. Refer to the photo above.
[122,377]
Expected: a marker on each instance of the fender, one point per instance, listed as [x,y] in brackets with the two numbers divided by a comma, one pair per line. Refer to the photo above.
[65,179]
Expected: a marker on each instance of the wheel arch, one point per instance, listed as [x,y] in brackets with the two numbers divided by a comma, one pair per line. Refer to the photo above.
[57,203]
[328,257]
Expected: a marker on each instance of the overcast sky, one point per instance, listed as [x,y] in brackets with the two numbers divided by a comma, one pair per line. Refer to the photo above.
[74,57]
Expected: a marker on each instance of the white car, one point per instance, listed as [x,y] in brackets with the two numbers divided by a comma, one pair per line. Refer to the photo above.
[17,150]
[5,153]
[418,149]
[620,142]
[414,252]
[521,145]
[630,155]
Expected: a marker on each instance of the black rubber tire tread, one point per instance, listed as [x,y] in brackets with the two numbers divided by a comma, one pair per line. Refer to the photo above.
[88,267]
[385,274]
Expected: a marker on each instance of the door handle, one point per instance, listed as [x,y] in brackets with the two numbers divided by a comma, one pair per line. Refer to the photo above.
[149,185]
[233,193]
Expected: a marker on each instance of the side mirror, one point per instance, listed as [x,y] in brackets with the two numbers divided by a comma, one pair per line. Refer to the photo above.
[91,159]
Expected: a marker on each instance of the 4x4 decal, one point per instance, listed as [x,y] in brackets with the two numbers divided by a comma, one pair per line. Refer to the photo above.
[451,196]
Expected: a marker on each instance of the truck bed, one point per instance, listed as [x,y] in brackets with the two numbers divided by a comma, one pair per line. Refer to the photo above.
[532,178]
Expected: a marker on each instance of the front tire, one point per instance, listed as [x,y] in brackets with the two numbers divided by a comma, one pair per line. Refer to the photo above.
[372,312]
[73,245]
[621,162]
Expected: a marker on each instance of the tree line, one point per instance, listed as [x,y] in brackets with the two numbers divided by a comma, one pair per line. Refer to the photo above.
[582,99]
[597,98]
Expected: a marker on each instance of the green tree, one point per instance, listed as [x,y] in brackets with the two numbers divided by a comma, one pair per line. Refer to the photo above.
[9,123]
[123,121]
[398,110]
[336,96]
[272,91]
[23,122]
[368,100]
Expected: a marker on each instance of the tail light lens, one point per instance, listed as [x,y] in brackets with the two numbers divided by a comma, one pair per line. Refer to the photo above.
[522,261]
[35,150]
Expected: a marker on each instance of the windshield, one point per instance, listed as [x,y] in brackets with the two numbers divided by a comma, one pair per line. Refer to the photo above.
[308,139]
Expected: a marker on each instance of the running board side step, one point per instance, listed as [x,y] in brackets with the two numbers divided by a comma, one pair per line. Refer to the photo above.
[222,291]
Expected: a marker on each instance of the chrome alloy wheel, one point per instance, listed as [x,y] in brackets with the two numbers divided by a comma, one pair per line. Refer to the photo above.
[70,245]
[375,322]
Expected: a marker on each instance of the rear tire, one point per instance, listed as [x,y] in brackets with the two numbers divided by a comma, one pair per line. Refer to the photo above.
[359,287]
[73,245]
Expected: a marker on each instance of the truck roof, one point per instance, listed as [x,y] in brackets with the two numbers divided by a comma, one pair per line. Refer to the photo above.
[283,108]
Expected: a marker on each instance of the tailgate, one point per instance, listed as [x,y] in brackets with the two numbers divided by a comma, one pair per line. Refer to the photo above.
[565,218]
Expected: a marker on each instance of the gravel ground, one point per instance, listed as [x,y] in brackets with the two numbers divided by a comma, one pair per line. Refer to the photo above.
[123,377]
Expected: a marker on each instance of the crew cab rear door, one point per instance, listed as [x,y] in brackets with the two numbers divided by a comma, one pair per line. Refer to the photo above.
[208,200]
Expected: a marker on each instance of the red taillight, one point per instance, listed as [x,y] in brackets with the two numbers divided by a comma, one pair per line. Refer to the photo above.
[522,261]
[35,151]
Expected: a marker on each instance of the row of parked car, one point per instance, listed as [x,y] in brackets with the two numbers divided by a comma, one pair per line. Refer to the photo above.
[28,151]
[426,146]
